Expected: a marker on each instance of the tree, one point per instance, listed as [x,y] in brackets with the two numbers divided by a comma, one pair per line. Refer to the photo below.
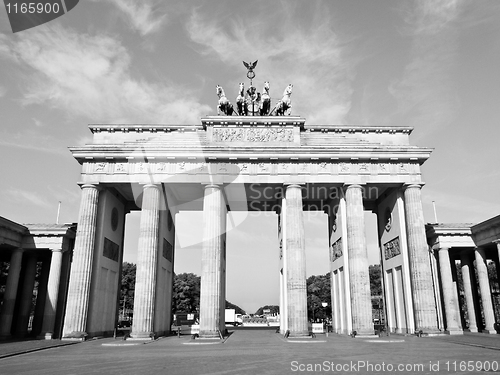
[319,292]
[274,309]
[128,287]
[186,293]
[375,272]
[238,310]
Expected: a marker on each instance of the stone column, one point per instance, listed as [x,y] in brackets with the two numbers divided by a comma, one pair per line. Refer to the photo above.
[145,285]
[449,295]
[75,321]
[295,262]
[41,295]
[361,307]
[9,298]
[420,273]
[26,297]
[497,242]
[484,287]
[49,315]
[470,290]
[214,228]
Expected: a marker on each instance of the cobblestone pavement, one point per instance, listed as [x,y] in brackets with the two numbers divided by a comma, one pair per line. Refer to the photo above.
[262,352]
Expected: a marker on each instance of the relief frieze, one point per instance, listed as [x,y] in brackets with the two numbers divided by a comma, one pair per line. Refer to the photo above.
[252,135]
[392,248]
[336,250]
[252,167]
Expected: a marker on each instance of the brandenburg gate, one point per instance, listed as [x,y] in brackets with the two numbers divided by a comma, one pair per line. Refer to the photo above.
[251,163]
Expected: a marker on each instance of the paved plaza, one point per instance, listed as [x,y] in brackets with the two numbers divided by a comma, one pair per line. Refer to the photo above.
[258,352]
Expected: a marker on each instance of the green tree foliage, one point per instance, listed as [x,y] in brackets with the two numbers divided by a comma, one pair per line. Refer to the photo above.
[318,291]
[274,309]
[128,286]
[375,272]
[186,293]
[238,310]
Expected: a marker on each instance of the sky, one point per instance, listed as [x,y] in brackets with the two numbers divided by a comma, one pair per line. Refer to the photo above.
[432,65]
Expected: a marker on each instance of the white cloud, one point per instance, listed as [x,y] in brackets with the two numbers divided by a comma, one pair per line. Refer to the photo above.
[144,16]
[456,207]
[313,58]
[90,76]
[28,197]
[430,17]
[37,122]
[425,90]
[32,141]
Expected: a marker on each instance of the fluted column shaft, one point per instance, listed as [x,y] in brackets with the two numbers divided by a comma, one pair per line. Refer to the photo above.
[41,295]
[26,296]
[361,307]
[484,287]
[49,315]
[420,273]
[470,290]
[145,285]
[296,262]
[449,295]
[214,228]
[9,298]
[497,242]
[75,322]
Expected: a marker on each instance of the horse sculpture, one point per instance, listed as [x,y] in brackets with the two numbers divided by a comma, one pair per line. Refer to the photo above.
[284,106]
[265,105]
[224,104]
[241,103]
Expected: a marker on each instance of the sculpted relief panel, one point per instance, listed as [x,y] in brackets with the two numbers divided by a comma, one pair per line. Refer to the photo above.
[251,168]
[252,135]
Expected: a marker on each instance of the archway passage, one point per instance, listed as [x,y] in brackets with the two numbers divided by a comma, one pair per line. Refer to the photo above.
[237,163]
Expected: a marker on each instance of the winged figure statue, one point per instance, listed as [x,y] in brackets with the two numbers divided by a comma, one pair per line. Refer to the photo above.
[250,66]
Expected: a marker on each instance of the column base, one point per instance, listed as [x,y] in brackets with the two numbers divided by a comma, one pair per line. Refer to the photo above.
[299,334]
[142,336]
[489,331]
[364,332]
[472,330]
[454,332]
[45,336]
[209,335]
[75,336]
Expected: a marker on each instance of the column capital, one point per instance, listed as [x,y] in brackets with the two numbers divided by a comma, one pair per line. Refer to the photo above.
[443,249]
[413,186]
[91,186]
[294,185]
[56,250]
[352,186]
[212,186]
[145,186]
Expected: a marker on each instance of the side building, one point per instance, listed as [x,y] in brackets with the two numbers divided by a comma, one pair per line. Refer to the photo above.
[36,260]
